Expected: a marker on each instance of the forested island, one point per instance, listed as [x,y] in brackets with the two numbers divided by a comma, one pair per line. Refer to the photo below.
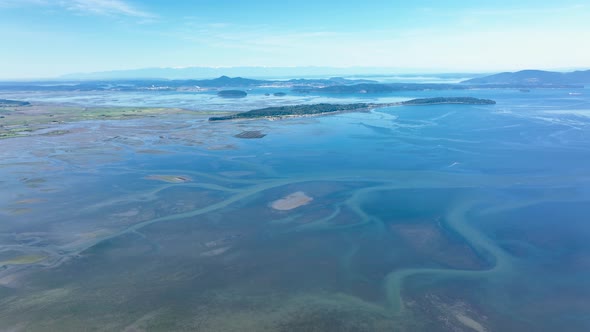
[13,103]
[318,109]
[232,94]
[335,85]
[534,78]
[381,88]
[296,110]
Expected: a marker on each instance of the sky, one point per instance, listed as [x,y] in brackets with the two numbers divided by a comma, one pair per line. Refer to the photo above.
[48,38]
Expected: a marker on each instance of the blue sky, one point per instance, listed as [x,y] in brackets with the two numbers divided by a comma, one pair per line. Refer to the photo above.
[46,38]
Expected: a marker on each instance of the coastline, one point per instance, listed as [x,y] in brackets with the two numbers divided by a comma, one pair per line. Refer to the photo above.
[40,119]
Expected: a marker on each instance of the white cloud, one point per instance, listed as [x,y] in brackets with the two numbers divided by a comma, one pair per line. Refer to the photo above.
[439,49]
[95,7]
[527,11]
[15,3]
[105,7]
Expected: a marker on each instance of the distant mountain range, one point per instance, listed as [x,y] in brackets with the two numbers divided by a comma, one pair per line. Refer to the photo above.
[257,72]
[534,77]
[523,80]
[180,85]
[334,85]
[201,76]
[225,81]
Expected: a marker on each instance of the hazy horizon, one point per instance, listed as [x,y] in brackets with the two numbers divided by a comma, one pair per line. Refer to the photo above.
[264,72]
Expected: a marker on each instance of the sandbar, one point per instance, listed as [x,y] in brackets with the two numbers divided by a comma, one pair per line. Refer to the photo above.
[291,201]
[169,178]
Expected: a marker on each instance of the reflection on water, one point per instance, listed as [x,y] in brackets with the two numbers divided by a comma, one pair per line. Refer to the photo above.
[433,218]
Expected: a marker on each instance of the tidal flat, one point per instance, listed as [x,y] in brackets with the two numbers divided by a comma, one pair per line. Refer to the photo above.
[437,218]
[21,121]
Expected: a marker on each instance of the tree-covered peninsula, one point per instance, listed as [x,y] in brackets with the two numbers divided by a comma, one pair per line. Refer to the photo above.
[296,110]
[13,103]
[318,109]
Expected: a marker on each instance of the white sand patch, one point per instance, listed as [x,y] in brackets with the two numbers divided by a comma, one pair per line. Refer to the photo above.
[472,324]
[129,213]
[291,201]
[236,174]
[215,252]
[582,112]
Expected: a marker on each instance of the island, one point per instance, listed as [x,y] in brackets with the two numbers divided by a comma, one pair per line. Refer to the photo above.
[279,94]
[448,100]
[13,103]
[536,78]
[335,85]
[382,88]
[296,110]
[321,109]
[232,94]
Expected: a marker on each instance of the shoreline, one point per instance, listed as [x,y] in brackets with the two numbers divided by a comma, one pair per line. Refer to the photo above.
[45,119]
[327,108]
[28,120]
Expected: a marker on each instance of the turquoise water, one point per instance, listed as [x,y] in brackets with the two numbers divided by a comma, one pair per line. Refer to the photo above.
[429,218]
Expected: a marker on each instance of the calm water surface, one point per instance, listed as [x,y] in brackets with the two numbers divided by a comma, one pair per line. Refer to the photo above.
[427,218]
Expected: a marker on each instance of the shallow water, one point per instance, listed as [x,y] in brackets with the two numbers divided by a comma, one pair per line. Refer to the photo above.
[199,101]
[429,218]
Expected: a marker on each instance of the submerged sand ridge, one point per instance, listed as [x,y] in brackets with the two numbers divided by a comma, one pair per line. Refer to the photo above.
[291,201]
[169,178]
